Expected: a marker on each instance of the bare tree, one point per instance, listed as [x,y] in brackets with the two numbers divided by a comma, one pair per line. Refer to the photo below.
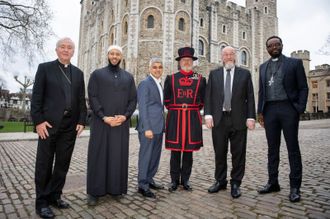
[24,27]
[27,83]
[325,50]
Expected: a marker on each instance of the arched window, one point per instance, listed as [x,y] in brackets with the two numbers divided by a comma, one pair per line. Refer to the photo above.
[181,24]
[266,10]
[200,48]
[125,27]
[243,58]
[224,29]
[151,21]
[111,39]
[124,64]
[183,1]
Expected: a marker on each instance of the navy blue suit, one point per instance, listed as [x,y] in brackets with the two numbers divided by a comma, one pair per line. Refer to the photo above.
[284,115]
[151,117]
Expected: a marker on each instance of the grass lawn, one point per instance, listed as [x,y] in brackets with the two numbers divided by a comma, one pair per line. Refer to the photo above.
[14,127]
[19,126]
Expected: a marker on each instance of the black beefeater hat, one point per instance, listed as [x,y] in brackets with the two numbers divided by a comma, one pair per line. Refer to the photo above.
[186,52]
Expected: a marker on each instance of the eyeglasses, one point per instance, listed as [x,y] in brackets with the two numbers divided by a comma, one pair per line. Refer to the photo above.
[274,45]
[229,54]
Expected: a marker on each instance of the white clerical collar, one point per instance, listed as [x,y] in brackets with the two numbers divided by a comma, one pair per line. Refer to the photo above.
[275,60]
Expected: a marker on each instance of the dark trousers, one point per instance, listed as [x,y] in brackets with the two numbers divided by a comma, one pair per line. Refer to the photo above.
[184,170]
[283,116]
[49,178]
[221,135]
[149,156]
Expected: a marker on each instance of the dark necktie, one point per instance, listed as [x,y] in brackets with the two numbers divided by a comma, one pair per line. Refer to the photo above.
[228,91]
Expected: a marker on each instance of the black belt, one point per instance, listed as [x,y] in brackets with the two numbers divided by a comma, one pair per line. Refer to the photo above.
[278,101]
[67,113]
[226,112]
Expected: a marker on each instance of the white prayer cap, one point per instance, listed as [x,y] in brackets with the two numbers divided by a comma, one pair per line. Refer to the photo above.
[115,47]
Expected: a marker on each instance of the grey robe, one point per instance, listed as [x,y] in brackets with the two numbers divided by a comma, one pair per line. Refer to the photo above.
[111,92]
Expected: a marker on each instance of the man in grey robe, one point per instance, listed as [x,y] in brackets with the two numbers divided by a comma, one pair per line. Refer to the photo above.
[112,97]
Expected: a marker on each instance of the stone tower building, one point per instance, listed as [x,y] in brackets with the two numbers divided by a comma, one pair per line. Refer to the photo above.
[147,29]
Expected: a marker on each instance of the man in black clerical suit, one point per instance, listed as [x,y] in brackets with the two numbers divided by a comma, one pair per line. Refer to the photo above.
[283,92]
[229,111]
[58,110]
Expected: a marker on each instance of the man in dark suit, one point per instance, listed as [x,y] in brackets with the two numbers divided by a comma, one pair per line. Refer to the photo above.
[151,126]
[283,92]
[229,111]
[58,110]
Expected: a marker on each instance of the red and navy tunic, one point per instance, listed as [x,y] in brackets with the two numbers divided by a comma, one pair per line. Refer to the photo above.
[184,98]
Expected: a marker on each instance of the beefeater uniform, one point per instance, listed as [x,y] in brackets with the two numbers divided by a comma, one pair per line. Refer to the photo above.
[184,98]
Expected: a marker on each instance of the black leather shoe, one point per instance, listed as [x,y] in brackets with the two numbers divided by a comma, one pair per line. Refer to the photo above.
[186,185]
[59,203]
[270,188]
[294,195]
[92,200]
[45,212]
[155,185]
[147,193]
[173,186]
[235,191]
[216,187]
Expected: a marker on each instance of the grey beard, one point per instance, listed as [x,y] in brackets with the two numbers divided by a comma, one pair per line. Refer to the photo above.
[186,69]
[229,66]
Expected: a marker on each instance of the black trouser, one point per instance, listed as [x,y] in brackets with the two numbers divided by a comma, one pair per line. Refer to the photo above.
[221,135]
[279,116]
[175,165]
[50,180]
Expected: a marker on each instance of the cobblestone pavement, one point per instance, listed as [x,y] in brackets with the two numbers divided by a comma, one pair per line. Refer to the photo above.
[17,160]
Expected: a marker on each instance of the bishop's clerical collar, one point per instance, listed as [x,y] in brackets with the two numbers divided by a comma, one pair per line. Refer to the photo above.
[62,65]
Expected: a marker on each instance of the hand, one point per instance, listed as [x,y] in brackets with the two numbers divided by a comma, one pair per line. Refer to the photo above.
[261,120]
[250,124]
[209,123]
[42,130]
[112,121]
[79,129]
[149,134]
[120,118]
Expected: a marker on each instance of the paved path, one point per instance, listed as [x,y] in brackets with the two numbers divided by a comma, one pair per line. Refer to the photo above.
[17,193]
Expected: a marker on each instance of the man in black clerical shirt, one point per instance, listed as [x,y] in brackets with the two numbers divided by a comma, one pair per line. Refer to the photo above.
[58,110]
[283,92]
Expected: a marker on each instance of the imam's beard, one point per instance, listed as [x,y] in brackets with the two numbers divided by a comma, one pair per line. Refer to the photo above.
[116,65]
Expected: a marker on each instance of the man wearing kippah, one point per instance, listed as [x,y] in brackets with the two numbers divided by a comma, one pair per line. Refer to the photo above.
[184,98]
[112,97]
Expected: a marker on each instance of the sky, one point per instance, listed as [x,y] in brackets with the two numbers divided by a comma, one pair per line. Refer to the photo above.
[303,25]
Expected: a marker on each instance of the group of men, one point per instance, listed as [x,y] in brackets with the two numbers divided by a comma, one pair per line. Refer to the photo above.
[58,109]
